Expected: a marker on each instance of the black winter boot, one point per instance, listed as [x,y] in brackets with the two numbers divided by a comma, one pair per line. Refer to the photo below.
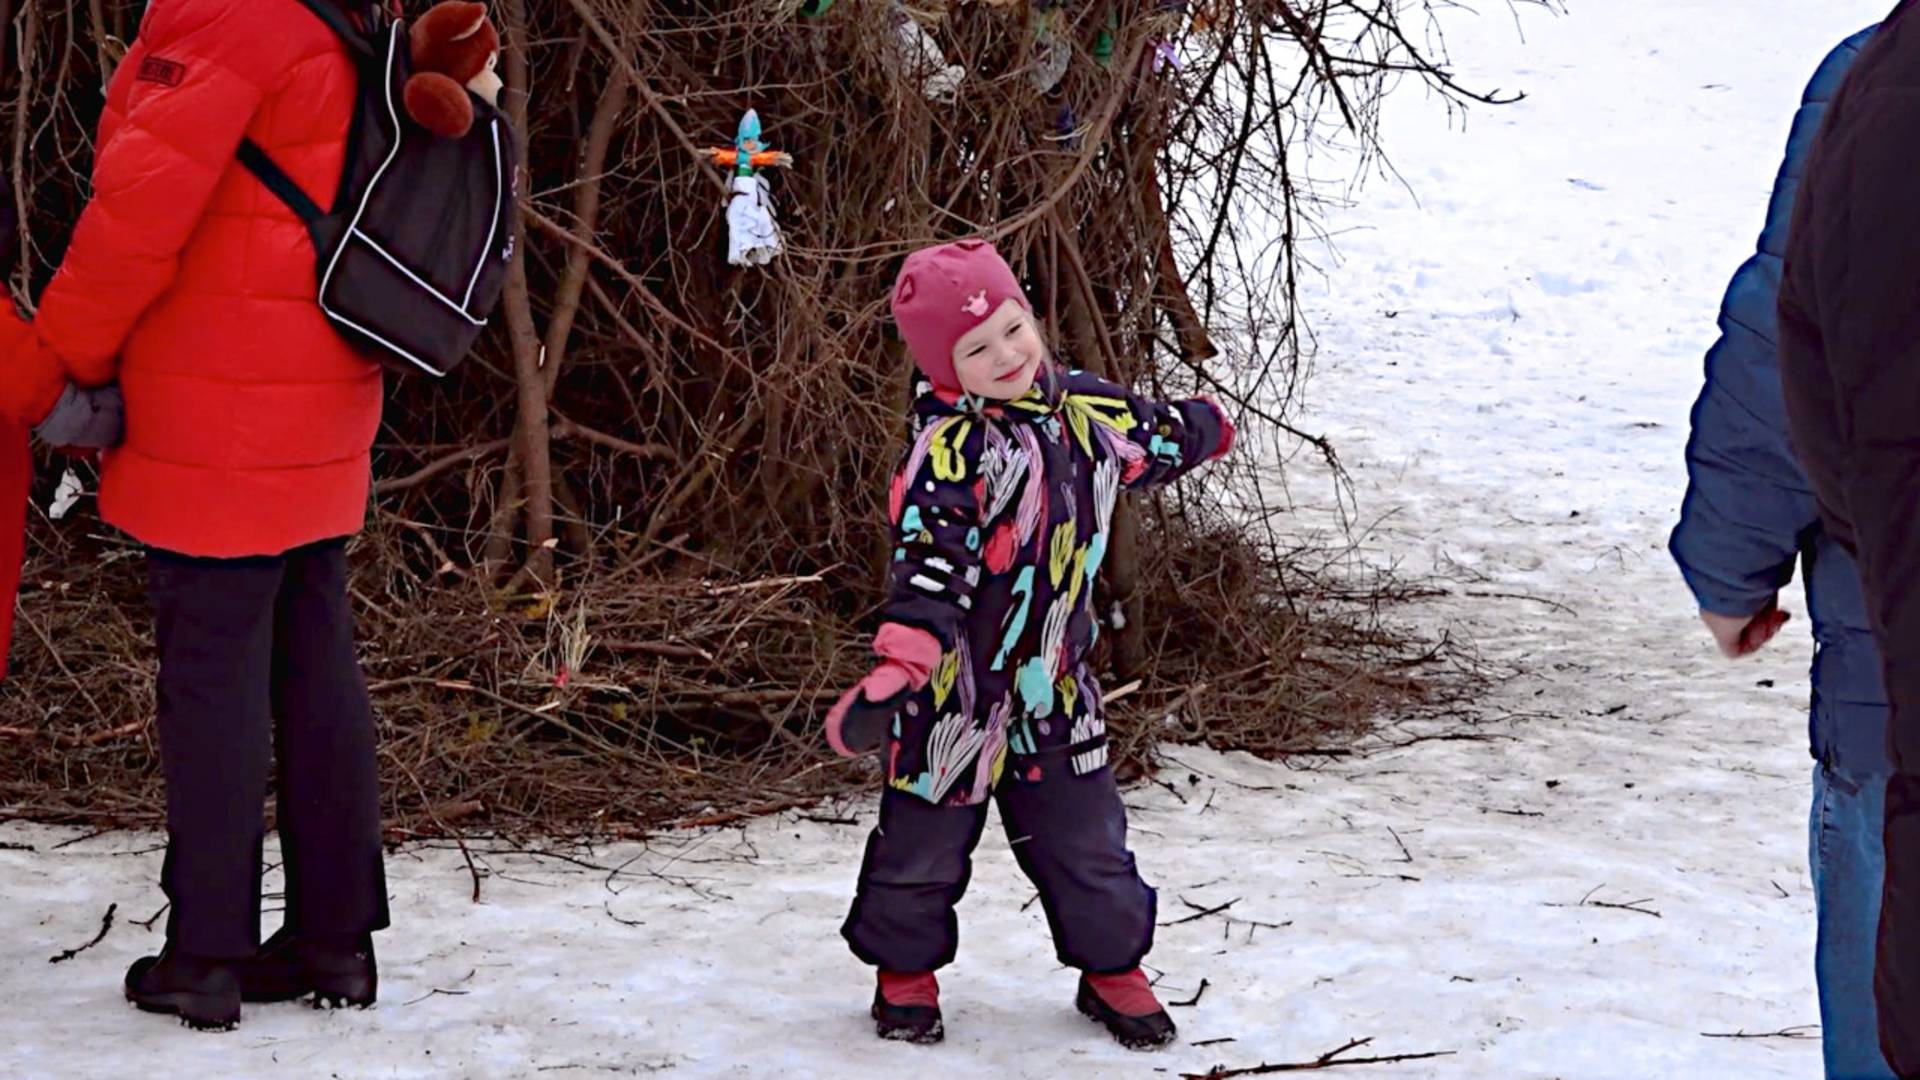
[337,972]
[906,1008]
[273,972]
[204,994]
[1125,1005]
[341,972]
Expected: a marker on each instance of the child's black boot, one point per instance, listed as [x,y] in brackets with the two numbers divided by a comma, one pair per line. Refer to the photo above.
[1126,1006]
[906,1007]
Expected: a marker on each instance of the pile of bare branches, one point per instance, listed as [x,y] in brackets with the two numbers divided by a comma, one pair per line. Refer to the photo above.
[618,566]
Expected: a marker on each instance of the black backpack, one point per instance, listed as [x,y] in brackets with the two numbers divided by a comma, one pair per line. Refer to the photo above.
[414,251]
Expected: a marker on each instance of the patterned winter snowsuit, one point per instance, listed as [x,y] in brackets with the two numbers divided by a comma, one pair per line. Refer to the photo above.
[1003,516]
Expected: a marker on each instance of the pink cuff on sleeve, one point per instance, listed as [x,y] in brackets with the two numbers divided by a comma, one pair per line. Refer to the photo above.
[911,648]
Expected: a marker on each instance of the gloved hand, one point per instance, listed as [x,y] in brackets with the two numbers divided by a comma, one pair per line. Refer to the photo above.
[858,723]
[84,419]
[1227,430]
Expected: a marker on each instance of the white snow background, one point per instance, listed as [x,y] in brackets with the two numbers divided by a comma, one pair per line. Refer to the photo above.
[1509,345]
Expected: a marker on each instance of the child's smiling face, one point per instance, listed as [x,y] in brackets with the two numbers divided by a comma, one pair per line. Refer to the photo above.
[1000,359]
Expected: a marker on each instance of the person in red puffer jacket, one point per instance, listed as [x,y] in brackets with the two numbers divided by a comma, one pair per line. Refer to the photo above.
[245,466]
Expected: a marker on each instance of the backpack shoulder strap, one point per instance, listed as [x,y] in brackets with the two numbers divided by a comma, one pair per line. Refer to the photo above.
[278,182]
[334,14]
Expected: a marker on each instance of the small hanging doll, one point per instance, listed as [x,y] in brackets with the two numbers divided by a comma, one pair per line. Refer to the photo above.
[1052,51]
[921,55]
[752,237]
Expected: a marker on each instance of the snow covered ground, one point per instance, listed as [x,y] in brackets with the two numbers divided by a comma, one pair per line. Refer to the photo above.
[1508,353]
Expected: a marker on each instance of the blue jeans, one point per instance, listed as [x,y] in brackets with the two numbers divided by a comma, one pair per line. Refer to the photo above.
[1844,850]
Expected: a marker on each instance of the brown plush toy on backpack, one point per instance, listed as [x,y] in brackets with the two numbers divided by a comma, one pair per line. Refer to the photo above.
[455,51]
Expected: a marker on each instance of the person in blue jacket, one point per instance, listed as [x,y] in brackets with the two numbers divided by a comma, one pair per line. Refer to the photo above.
[1749,515]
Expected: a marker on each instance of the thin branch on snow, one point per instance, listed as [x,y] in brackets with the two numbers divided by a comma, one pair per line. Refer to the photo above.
[1357,868]
[618,919]
[1330,1059]
[1446,736]
[1192,1001]
[1631,905]
[435,992]
[1252,925]
[1801,1031]
[1200,912]
[106,924]
[439,992]
[473,870]
[1554,604]
[1403,845]
[81,839]
[1216,777]
[537,854]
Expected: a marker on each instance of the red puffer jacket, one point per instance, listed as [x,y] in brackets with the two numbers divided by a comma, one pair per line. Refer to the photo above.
[250,421]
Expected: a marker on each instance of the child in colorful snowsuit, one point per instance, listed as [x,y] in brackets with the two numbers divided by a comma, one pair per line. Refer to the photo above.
[1002,513]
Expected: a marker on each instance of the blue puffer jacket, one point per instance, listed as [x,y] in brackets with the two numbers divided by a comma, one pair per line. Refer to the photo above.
[1749,510]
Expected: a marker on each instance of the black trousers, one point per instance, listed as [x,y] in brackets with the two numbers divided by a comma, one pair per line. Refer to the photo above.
[257,658]
[1069,835]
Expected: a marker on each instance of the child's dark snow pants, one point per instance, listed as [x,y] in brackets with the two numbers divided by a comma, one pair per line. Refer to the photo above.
[257,654]
[1069,834]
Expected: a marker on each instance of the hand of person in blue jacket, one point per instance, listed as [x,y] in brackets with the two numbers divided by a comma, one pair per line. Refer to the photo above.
[1739,635]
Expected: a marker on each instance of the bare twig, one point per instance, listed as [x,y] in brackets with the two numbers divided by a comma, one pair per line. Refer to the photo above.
[1329,1060]
[1200,912]
[1554,604]
[147,923]
[1192,1001]
[1406,856]
[1631,905]
[106,924]
[1801,1031]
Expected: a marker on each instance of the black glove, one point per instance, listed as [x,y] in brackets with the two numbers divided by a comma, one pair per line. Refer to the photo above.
[868,723]
[92,419]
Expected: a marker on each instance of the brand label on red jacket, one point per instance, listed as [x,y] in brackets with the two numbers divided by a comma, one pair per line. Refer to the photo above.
[164,72]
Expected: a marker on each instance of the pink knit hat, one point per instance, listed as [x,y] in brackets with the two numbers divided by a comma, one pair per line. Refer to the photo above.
[942,293]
